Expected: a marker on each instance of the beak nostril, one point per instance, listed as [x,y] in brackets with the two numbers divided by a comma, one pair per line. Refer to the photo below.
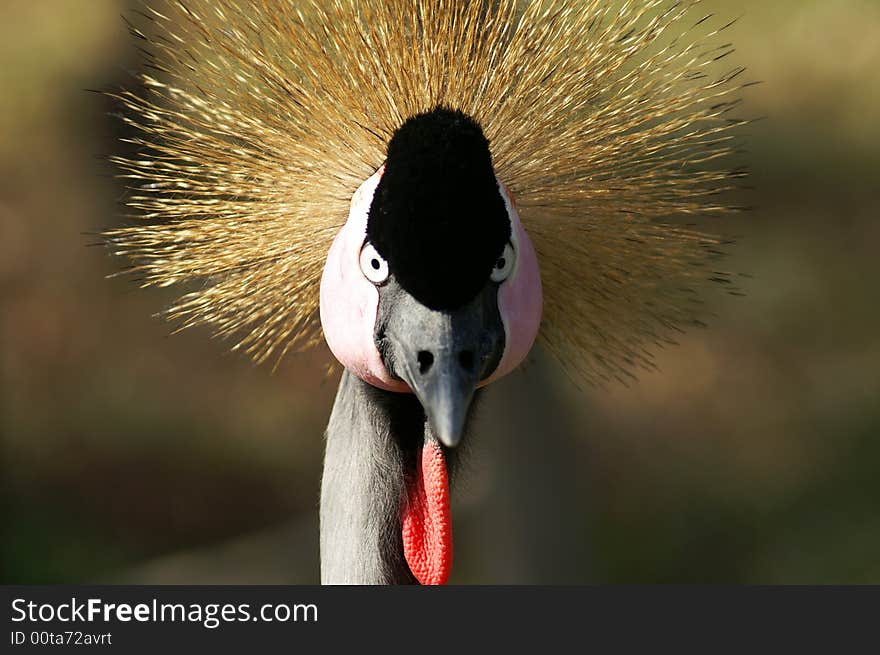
[466,359]
[426,359]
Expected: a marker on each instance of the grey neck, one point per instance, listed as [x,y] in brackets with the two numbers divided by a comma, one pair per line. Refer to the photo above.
[372,440]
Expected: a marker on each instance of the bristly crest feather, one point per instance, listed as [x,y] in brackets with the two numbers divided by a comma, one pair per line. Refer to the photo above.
[258,120]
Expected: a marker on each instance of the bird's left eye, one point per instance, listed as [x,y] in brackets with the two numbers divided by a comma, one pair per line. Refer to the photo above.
[504,264]
[373,265]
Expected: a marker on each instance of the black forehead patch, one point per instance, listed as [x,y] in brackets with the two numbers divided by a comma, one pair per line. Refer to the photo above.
[437,215]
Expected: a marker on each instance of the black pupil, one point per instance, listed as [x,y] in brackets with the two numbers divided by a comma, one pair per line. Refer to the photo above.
[375,264]
[501,263]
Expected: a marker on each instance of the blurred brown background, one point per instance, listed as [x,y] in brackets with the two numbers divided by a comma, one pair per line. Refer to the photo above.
[752,456]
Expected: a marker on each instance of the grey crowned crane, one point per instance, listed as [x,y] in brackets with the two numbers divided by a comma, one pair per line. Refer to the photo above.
[431,185]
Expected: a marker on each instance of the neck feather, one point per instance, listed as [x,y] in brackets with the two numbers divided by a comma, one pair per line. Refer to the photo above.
[372,441]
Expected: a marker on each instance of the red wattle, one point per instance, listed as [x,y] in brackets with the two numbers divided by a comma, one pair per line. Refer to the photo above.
[427,524]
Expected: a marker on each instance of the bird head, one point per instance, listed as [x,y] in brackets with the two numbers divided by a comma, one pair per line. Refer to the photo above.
[432,285]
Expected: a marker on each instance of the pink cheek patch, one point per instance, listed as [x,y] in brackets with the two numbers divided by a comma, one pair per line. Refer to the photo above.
[520,298]
[349,302]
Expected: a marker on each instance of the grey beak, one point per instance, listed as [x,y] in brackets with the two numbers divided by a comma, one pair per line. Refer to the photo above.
[445,388]
[440,355]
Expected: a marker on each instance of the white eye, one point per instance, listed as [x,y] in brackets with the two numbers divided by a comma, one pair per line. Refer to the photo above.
[375,268]
[504,264]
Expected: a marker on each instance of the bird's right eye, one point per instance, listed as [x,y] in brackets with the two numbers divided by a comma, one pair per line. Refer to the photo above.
[373,265]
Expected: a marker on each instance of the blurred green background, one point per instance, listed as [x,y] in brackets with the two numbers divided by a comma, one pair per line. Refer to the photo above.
[753,455]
